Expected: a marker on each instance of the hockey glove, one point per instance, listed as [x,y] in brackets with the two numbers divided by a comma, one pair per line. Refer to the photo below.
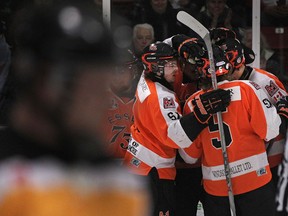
[282,107]
[188,48]
[218,35]
[210,103]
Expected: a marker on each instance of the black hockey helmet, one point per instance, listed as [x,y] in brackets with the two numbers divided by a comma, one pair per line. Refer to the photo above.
[220,35]
[127,60]
[222,65]
[154,58]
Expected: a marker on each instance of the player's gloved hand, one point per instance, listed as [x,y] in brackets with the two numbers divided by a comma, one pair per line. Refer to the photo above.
[188,48]
[210,103]
[282,107]
[219,34]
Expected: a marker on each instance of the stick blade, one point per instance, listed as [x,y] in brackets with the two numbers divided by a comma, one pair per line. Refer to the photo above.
[192,23]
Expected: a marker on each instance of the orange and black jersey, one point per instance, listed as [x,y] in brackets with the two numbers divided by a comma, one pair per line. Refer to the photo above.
[248,121]
[117,124]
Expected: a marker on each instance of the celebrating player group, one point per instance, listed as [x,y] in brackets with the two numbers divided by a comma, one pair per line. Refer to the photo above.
[207,127]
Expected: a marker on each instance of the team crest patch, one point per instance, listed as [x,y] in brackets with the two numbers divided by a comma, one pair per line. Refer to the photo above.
[261,171]
[256,86]
[168,103]
[272,88]
[135,162]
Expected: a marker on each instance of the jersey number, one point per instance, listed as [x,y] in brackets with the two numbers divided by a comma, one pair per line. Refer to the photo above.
[213,127]
[173,115]
[125,136]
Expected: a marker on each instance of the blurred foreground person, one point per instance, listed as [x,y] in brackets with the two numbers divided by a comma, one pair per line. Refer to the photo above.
[122,97]
[52,161]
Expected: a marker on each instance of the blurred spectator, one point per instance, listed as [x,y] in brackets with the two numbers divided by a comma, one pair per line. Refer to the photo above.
[270,60]
[217,14]
[266,54]
[143,35]
[190,6]
[275,13]
[52,159]
[122,97]
[5,58]
[161,15]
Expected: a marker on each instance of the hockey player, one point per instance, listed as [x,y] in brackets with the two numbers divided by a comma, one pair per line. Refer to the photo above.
[248,121]
[271,85]
[188,176]
[52,160]
[122,97]
[158,129]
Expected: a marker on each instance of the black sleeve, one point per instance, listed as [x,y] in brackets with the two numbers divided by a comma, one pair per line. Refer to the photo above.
[283,126]
[192,126]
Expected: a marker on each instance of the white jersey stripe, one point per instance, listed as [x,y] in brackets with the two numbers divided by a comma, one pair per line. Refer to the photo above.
[149,157]
[255,163]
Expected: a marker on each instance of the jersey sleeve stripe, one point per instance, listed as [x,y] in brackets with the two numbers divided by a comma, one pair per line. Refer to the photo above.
[174,129]
[149,157]
[186,157]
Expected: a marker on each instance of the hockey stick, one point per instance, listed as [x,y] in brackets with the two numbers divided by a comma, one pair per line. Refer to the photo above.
[196,26]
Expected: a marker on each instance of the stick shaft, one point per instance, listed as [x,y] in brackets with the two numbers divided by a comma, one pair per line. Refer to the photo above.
[196,26]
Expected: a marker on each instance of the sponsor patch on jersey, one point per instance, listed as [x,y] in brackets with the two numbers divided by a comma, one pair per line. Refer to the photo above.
[261,171]
[143,90]
[278,96]
[272,88]
[235,93]
[255,85]
[168,102]
[135,162]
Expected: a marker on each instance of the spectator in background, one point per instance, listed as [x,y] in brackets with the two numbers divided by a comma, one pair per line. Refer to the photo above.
[275,13]
[5,59]
[217,14]
[52,159]
[143,35]
[191,6]
[269,59]
[161,15]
